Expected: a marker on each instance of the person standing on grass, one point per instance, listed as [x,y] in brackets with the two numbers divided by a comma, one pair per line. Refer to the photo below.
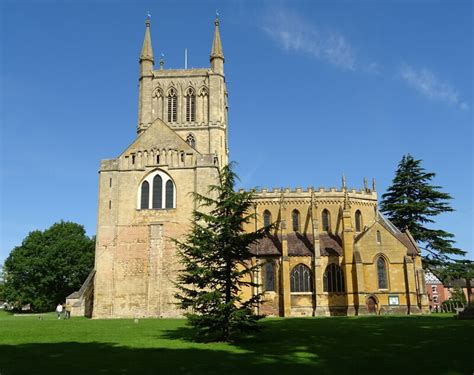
[59,310]
[68,310]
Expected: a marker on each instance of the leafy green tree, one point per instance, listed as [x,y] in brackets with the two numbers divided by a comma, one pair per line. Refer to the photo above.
[459,269]
[216,262]
[457,295]
[412,202]
[48,266]
[2,285]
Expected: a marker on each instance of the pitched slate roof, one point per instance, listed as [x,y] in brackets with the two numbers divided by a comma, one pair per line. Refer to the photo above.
[299,244]
[330,244]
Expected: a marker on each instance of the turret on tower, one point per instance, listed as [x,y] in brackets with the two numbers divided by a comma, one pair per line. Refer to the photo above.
[145,81]
[217,54]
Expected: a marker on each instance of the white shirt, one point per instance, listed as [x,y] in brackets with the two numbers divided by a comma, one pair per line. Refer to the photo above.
[59,308]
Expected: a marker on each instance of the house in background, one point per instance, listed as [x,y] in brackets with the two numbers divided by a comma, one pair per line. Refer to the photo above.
[436,291]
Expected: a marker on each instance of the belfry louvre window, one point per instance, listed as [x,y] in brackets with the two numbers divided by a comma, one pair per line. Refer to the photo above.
[326,220]
[358,221]
[157,192]
[269,277]
[190,105]
[172,106]
[267,218]
[301,279]
[296,220]
[333,279]
[382,273]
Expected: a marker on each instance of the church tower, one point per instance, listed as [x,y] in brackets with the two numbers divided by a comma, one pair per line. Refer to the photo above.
[144,193]
[192,102]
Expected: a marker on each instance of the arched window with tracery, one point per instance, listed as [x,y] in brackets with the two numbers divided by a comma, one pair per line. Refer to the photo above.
[267,218]
[158,102]
[157,192]
[333,279]
[295,215]
[190,140]
[190,105]
[145,195]
[203,105]
[326,220]
[358,221]
[382,273]
[172,105]
[269,277]
[301,279]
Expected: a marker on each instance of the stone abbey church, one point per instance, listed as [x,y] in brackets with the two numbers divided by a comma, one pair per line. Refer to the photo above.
[332,253]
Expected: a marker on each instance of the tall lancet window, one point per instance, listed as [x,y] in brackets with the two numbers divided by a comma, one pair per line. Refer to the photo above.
[172,106]
[296,220]
[267,218]
[190,105]
[145,195]
[203,105]
[157,192]
[358,221]
[326,219]
[382,273]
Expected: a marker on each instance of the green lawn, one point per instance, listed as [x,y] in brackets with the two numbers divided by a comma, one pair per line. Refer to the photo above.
[402,345]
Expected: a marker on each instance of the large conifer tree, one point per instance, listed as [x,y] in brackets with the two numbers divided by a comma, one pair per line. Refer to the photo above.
[216,262]
[412,201]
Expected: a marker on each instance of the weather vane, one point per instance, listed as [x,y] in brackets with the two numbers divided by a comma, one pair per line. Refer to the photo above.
[217,13]
[148,15]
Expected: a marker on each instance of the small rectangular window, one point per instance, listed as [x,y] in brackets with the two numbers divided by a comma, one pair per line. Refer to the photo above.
[133,159]
[110,205]
[110,182]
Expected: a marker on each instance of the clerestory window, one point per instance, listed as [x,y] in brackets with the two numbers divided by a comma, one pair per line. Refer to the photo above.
[267,218]
[326,220]
[358,221]
[295,215]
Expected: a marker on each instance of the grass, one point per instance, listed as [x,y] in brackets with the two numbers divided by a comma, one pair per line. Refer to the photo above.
[434,344]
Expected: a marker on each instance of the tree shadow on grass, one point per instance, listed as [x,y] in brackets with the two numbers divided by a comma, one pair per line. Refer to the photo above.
[102,358]
[386,345]
[421,345]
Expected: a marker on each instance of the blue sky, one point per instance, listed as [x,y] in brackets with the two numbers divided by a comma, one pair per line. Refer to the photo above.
[316,89]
